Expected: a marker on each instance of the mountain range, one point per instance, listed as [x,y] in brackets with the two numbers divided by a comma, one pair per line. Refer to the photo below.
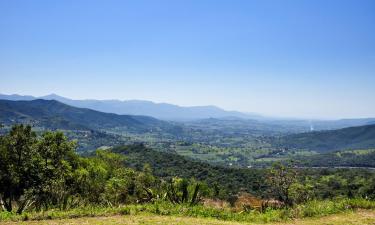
[56,115]
[162,111]
[165,111]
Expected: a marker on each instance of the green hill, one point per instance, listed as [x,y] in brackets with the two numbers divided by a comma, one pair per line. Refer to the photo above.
[169,165]
[91,128]
[361,137]
[52,114]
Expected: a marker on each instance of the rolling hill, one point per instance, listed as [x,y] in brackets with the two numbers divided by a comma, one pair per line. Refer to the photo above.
[361,137]
[168,165]
[56,115]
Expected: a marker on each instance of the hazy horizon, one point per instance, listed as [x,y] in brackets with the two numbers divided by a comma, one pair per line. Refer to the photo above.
[294,59]
[269,116]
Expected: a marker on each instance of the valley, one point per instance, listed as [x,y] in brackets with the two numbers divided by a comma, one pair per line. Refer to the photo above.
[143,164]
[221,141]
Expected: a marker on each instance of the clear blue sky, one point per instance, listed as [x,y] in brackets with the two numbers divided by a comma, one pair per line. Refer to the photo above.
[302,58]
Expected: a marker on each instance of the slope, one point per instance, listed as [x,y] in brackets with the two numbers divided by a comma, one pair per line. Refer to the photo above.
[56,115]
[361,137]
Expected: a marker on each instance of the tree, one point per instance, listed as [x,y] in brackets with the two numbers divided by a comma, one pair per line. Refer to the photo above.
[56,156]
[32,170]
[280,179]
[146,185]
[18,170]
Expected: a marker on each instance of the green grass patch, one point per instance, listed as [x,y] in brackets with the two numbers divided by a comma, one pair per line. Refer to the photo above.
[310,209]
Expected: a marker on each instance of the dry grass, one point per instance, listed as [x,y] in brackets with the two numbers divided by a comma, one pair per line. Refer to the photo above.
[130,220]
[360,217]
[216,203]
[246,201]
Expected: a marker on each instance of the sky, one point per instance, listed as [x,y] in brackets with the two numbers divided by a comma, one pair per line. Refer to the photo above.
[301,58]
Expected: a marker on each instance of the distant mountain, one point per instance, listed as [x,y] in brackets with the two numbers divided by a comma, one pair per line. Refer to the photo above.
[137,107]
[361,137]
[16,97]
[172,112]
[56,115]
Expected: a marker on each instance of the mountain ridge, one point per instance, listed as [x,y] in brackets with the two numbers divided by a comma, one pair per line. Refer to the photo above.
[163,111]
[46,112]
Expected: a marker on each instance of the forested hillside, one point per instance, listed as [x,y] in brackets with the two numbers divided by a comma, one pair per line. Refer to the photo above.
[348,158]
[54,114]
[92,129]
[361,137]
[167,165]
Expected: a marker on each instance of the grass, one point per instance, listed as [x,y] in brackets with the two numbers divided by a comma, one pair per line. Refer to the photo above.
[361,217]
[161,209]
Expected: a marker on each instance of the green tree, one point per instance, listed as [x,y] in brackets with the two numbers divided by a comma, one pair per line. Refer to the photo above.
[34,171]
[56,159]
[18,167]
[280,180]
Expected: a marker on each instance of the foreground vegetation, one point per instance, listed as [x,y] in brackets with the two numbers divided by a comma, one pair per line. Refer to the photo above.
[162,208]
[361,217]
[42,177]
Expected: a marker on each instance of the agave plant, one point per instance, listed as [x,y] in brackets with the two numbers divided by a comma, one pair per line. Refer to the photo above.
[180,191]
